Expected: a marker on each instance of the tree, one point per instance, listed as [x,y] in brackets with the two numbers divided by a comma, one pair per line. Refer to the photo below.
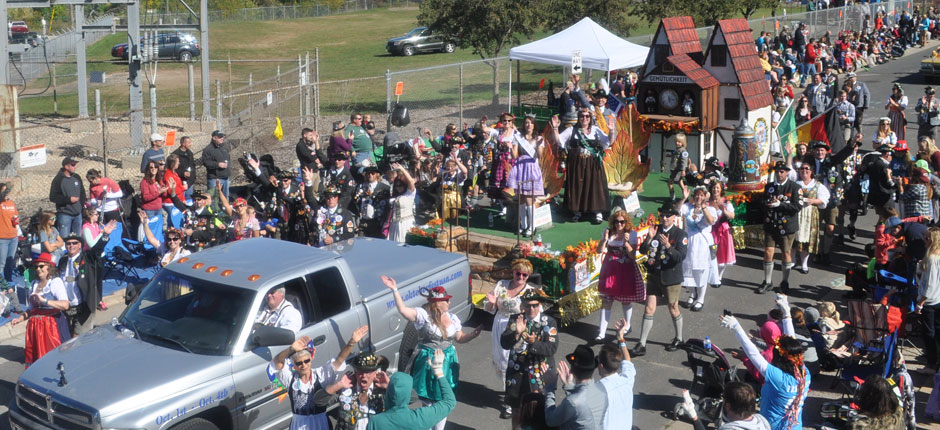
[704,12]
[611,14]
[486,27]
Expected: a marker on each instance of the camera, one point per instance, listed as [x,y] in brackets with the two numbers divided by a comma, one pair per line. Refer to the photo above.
[370,125]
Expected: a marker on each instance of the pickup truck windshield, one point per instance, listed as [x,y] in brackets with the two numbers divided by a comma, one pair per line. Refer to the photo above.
[188,314]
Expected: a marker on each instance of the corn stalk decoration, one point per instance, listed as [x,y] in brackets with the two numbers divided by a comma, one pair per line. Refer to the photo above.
[625,172]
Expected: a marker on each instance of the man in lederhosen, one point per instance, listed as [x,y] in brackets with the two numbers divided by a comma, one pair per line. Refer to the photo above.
[532,339]
[666,246]
[781,207]
[81,272]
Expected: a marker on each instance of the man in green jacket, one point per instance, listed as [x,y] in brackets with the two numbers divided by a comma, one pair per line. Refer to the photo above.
[399,416]
[361,143]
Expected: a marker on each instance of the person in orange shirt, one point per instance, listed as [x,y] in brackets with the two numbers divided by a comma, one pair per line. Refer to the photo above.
[9,237]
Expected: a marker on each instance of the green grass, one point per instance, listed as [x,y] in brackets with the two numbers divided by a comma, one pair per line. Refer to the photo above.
[350,45]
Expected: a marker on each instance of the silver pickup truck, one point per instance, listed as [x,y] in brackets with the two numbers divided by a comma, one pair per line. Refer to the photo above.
[186,354]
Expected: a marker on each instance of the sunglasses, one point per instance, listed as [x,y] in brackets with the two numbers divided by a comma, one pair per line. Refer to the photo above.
[240,205]
[530,305]
[173,239]
[72,243]
[620,221]
[305,362]
[805,168]
[522,274]
[42,266]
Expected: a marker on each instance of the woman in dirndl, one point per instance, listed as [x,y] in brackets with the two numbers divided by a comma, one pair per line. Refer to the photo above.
[721,229]
[402,216]
[814,197]
[503,162]
[302,380]
[503,301]
[46,327]
[896,104]
[620,277]
[450,182]
[437,329]
[526,176]
[585,178]
[700,266]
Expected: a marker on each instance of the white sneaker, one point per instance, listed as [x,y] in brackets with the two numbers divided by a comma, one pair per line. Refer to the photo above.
[502,212]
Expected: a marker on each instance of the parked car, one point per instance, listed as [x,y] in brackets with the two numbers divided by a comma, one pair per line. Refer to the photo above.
[187,353]
[18,27]
[418,40]
[171,46]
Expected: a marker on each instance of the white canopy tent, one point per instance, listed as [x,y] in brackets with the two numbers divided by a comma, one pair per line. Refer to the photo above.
[600,49]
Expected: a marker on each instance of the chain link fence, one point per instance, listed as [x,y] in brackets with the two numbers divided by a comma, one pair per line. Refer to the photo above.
[282,12]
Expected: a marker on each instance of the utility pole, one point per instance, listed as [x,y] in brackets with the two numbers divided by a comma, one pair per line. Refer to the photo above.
[204,57]
[81,70]
[133,69]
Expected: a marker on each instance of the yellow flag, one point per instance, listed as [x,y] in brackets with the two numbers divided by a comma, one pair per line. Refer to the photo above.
[278,131]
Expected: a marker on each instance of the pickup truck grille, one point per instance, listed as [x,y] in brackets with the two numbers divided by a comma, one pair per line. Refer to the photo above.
[43,408]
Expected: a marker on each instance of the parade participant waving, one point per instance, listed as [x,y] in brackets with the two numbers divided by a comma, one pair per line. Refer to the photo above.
[439,329]
[786,379]
[302,380]
[47,327]
[666,247]
[781,206]
[585,179]
[700,266]
[506,300]
[526,175]
[532,338]
[620,277]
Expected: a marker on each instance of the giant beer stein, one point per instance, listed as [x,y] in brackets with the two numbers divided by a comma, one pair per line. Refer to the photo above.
[744,173]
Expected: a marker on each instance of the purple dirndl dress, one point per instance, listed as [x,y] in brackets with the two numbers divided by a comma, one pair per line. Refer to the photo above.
[526,174]
[620,277]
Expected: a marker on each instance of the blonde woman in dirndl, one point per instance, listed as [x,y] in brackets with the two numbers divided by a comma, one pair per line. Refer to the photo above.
[620,278]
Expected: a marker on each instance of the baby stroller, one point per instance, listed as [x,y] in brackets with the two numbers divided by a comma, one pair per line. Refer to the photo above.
[874,351]
[711,370]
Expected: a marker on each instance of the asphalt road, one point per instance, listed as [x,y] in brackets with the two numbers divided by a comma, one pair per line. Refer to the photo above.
[660,375]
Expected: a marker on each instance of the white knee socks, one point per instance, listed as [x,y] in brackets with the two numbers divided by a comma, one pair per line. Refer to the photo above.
[804,259]
[721,271]
[605,318]
[768,271]
[627,313]
[700,295]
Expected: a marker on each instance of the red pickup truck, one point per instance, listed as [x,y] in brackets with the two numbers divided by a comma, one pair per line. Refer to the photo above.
[18,27]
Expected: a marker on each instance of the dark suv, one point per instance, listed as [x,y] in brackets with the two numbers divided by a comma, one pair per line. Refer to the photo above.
[419,40]
[171,46]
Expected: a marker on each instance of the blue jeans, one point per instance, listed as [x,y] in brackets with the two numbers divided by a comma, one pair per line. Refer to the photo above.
[210,184]
[68,224]
[8,258]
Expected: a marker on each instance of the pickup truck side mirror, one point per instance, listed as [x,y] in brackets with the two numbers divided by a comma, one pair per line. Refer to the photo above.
[262,335]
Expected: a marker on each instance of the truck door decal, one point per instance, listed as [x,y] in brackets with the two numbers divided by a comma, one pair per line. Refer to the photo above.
[414,292]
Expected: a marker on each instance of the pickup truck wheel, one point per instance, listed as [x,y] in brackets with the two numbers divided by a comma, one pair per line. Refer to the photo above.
[409,339]
[408,50]
[449,47]
[196,424]
[186,56]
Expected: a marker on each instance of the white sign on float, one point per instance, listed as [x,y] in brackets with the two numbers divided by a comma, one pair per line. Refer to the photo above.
[576,62]
[32,156]
[542,216]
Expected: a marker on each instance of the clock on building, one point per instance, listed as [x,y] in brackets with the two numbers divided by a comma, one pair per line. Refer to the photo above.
[668,99]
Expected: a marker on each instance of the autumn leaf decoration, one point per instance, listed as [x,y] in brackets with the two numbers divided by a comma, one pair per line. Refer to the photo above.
[550,162]
[622,159]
